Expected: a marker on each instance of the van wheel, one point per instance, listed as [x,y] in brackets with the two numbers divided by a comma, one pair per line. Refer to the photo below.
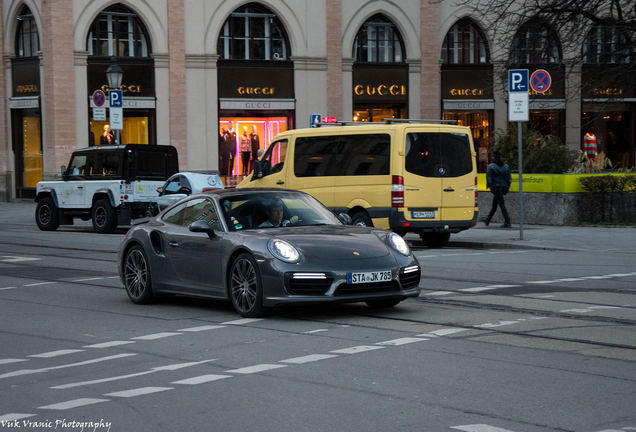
[435,240]
[104,217]
[361,219]
[46,215]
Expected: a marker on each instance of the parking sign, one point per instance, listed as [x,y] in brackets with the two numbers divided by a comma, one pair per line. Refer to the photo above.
[518,95]
[518,80]
[115,98]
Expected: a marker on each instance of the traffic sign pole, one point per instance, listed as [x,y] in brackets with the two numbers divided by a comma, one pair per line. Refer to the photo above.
[518,110]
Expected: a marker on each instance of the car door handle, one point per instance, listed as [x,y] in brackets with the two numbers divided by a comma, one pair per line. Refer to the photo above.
[280,182]
[80,187]
[449,190]
[174,244]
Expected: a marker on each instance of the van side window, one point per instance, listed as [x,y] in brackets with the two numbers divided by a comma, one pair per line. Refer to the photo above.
[343,155]
[438,154]
[274,158]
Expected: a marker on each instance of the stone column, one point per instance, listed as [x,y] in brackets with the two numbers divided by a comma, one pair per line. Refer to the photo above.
[573,107]
[177,79]
[58,82]
[334,58]
[430,77]
[500,96]
[6,154]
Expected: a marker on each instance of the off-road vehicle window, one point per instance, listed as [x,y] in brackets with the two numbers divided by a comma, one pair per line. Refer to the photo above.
[154,165]
[77,167]
[438,154]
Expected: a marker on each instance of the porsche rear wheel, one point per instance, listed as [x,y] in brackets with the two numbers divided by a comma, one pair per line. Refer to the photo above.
[246,289]
[137,277]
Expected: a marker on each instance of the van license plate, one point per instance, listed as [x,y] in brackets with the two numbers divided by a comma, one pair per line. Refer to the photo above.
[423,215]
[366,277]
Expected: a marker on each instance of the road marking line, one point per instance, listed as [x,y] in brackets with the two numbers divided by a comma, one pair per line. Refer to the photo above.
[480,428]
[39,283]
[438,293]
[201,379]
[309,358]
[357,349]
[14,259]
[596,277]
[477,289]
[243,321]
[7,288]
[138,392]
[316,331]
[33,371]
[73,403]
[569,280]
[84,280]
[8,361]
[202,328]
[441,332]
[15,416]
[501,323]
[401,341]
[256,369]
[540,282]
[116,378]
[56,353]
[109,344]
[156,336]
[622,275]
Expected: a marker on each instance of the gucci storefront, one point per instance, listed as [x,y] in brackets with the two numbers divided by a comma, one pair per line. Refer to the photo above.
[379,91]
[256,103]
[26,125]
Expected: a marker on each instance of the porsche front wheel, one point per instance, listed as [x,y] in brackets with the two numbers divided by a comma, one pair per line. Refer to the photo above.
[246,289]
[137,277]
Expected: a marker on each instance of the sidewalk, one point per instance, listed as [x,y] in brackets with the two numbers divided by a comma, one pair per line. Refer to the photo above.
[600,239]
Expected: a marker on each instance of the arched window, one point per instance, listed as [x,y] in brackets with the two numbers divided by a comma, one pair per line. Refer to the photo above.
[27,41]
[465,43]
[535,43]
[606,44]
[378,41]
[253,33]
[117,31]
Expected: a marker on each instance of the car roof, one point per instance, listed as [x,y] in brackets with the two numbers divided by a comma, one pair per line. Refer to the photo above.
[251,191]
[123,147]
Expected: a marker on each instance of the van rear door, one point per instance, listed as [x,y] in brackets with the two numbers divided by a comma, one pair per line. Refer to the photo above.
[422,181]
[458,180]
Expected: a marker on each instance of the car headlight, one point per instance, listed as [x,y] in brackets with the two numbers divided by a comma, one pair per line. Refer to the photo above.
[399,244]
[283,251]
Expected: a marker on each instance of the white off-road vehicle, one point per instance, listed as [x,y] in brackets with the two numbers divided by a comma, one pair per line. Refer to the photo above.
[109,184]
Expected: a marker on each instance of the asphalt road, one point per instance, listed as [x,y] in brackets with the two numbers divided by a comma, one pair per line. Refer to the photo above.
[501,339]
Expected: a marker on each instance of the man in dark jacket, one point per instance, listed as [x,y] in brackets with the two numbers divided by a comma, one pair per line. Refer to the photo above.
[498,180]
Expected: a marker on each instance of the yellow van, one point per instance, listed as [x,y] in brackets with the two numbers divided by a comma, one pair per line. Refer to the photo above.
[404,176]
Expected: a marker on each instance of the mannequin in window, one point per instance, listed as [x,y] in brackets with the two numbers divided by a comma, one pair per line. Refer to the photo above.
[107,137]
[245,146]
[589,143]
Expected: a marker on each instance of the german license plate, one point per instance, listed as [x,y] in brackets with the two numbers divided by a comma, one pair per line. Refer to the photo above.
[423,215]
[367,277]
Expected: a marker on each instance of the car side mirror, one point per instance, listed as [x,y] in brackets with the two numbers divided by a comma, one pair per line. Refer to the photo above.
[63,169]
[202,226]
[258,171]
[160,190]
[345,218]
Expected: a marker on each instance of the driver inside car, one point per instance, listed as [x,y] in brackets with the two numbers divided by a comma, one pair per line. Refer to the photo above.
[274,212]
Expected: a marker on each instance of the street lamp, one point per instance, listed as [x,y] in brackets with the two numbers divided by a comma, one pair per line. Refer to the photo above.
[114,74]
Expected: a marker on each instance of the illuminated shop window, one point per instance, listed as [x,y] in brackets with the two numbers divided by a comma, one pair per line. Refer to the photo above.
[117,32]
[378,41]
[465,43]
[27,40]
[536,43]
[252,33]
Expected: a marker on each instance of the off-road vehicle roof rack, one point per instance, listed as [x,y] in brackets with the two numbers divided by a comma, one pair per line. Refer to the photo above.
[385,121]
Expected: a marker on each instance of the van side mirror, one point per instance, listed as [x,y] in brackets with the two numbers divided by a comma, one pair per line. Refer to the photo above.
[258,171]
[202,226]
[345,218]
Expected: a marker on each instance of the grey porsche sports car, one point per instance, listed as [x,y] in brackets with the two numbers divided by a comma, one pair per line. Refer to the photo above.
[264,248]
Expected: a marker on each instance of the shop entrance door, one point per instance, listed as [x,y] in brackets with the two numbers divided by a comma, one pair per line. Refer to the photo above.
[27,148]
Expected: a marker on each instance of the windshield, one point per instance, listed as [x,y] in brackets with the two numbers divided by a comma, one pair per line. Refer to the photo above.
[276,209]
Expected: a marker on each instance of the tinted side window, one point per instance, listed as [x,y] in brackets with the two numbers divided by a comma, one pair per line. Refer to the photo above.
[438,154]
[368,154]
[274,158]
[105,166]
[315,156]
[77,167]
[191,211]
[151,164]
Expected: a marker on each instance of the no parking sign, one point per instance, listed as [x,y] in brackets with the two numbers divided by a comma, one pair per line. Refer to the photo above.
[540,81]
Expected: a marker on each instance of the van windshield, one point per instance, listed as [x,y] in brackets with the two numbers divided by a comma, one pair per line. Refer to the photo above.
[438,154]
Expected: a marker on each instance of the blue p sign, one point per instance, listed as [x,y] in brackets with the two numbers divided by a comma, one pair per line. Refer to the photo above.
[115,98]
[518,80]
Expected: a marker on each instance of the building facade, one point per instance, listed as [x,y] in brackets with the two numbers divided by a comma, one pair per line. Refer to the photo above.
[219,79]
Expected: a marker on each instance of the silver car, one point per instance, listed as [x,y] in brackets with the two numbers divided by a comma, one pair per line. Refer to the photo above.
[182,184]
[263,248]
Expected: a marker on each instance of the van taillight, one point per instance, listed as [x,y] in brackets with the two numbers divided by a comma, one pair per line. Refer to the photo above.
[476,195]
[397,192]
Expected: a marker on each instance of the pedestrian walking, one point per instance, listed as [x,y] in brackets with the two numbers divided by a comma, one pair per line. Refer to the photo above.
[498,180]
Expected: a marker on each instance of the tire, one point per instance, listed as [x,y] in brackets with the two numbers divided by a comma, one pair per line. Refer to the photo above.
[361,219]
[104,217]
[137,276]
[435,240]
[382,304]
[245,287]
[47,216]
